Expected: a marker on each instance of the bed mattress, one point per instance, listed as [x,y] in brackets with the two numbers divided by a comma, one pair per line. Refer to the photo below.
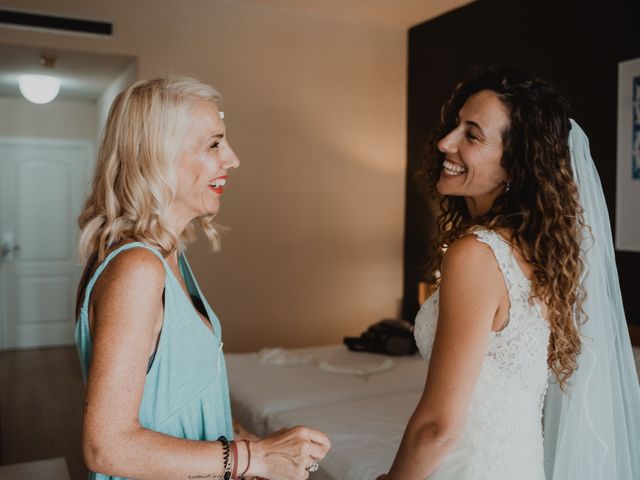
[260,390]
[365,433]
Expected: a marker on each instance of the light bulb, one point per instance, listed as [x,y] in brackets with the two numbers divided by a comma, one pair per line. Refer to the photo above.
[39,88]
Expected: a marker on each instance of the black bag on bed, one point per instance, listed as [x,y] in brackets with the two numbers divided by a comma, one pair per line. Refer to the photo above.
[390,337]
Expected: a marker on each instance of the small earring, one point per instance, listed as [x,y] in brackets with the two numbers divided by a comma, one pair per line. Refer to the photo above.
[506,190]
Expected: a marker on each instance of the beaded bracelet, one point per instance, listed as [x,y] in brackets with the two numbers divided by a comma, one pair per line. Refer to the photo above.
[226,475]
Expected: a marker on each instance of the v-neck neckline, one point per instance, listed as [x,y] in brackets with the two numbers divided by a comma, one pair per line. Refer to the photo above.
[187,295]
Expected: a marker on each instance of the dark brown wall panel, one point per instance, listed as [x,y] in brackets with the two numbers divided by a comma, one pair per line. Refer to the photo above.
[574,45]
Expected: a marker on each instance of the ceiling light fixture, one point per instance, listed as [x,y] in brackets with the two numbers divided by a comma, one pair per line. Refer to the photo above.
[40,88]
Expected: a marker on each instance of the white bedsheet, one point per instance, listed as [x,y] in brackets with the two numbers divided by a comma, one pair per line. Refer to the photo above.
[259,391]
[365,433]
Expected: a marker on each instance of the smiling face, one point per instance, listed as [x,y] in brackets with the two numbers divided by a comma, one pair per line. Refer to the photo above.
[473,152]
[203,165]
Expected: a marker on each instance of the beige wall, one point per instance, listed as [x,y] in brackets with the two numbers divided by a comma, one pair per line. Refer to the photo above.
[315,109]
[60,119]
[127,77]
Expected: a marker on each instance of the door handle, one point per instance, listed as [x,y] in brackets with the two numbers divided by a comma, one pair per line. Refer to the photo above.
[8,251]
[8,247]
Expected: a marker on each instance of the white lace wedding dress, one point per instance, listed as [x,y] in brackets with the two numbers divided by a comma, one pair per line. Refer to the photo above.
[502,436]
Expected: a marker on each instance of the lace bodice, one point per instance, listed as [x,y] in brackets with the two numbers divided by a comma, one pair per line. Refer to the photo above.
[503,429]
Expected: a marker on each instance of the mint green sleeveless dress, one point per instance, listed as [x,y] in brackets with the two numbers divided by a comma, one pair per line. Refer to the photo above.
[186,393]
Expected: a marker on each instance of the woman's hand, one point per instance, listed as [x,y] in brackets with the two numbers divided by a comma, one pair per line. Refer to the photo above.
[250,437]
[240,433]
[383,477]
[286,454]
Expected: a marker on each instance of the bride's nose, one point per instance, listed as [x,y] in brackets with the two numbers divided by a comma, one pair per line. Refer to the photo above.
[449,143]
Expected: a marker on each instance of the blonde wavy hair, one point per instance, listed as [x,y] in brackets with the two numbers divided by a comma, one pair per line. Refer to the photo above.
[541,207]
[135,177]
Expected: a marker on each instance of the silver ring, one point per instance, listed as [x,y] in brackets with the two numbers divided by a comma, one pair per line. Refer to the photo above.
[313,468]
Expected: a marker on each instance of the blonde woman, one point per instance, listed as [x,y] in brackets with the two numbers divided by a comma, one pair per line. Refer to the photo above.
[157,401]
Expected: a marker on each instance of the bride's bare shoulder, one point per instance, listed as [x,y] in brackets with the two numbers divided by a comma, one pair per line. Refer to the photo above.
[470,262]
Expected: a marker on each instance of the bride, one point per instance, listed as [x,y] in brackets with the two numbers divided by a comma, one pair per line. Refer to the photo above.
[528,305]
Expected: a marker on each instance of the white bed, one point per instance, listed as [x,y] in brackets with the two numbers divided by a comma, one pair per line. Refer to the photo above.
[364,433]
[364,416]
[259,391]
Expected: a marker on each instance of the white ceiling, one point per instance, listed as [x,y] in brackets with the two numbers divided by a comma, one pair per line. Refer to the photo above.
[84,76]
[388,13]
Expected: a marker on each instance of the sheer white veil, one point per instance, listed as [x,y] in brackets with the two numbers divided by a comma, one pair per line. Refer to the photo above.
[593,430]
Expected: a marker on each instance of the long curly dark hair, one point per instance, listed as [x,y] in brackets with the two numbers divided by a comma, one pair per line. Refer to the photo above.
[540,208]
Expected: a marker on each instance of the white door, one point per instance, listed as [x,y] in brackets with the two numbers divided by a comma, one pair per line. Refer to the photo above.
[42,187]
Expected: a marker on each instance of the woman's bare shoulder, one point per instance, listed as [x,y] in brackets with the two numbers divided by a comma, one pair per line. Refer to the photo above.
[469,248]
[468,260]
[134,268]
[471,280]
